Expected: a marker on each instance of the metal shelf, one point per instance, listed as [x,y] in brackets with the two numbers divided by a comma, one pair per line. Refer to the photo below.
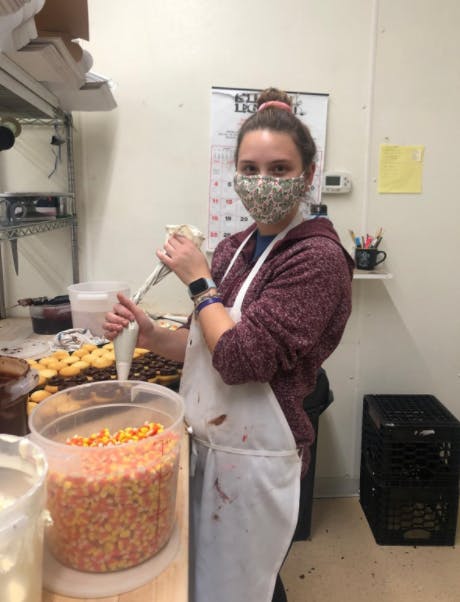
[28,229]
[33,195]
[40,112]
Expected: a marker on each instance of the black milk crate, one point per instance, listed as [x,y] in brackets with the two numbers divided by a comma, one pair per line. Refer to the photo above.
[410,440]
[415,516]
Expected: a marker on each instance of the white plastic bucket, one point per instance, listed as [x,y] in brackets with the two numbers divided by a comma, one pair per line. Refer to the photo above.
[23,470]
[90,301]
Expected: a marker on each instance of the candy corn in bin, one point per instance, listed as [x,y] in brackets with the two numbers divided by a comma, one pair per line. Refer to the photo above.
[113,454]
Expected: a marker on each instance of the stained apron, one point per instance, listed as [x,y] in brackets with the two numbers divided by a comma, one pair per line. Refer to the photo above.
[245,474]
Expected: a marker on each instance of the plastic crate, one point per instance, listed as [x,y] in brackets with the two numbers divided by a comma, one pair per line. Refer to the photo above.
[410,440]
[416,516]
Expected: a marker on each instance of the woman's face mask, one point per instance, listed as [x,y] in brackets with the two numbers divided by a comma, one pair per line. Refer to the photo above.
[269,199]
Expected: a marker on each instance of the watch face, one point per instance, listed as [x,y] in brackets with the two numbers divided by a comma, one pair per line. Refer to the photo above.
[198,286]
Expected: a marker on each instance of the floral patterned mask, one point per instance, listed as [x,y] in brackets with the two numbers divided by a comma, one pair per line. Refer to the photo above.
[269,199]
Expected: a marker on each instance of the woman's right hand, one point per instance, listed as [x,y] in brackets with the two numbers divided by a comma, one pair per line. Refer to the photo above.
[124,312]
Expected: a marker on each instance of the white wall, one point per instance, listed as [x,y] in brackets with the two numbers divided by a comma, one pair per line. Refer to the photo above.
[147,162]
[391,69]
[405,334]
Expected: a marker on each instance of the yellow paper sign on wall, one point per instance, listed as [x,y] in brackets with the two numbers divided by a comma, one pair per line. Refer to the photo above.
[400,168]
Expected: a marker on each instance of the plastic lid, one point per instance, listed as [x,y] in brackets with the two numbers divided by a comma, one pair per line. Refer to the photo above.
[59,300]
[27,350]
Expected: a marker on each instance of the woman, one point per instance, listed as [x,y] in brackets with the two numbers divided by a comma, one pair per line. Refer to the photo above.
[267,314]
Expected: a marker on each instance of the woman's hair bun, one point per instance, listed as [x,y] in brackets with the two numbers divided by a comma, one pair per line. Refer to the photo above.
[275,113]
[273,94]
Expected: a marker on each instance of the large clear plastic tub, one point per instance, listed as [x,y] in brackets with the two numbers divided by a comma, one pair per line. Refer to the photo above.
[22,502]
[112,507]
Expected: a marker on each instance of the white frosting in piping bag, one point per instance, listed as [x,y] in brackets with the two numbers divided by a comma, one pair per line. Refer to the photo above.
[125,342]
[124,345]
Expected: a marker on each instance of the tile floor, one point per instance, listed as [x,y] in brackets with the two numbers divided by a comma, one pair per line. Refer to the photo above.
[341,561]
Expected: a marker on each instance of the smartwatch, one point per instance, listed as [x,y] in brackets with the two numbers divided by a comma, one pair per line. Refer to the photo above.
[197,287]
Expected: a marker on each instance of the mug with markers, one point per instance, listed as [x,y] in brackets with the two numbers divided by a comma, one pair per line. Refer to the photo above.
[368,259]
[367,254]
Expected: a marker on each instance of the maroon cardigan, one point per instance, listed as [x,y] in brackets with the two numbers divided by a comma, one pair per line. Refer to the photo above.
[293,315]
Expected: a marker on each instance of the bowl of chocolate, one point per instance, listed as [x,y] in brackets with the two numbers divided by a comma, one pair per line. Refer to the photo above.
[50,316]
[16,381]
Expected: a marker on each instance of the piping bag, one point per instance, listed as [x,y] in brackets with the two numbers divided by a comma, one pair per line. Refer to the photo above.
[125,343]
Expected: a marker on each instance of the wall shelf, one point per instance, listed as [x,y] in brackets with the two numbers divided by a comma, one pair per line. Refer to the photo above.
[23,97]
[372,275]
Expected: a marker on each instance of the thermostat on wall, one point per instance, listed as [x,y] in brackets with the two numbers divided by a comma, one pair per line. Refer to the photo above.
[336,182]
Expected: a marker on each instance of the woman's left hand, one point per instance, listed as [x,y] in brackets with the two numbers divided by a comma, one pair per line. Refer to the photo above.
[182,256]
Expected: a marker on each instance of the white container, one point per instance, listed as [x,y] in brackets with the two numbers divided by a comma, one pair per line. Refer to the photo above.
[90,301]
[23,470]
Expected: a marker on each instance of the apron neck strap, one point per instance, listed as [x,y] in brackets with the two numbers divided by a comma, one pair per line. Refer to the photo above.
[298,218]
[238,251]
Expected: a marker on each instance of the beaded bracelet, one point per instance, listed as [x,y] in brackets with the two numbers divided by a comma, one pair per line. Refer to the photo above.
[208,301]
[206,295]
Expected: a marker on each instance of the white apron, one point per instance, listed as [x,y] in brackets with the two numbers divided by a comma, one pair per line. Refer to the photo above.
[245,471]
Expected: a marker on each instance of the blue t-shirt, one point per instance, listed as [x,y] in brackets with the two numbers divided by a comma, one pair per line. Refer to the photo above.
[262,243]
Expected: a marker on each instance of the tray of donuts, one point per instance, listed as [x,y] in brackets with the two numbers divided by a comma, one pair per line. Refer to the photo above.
[90,363]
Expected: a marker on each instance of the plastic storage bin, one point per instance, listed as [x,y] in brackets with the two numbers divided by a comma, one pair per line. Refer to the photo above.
[90,301]
[409,476]
[112,507]
[22,515]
